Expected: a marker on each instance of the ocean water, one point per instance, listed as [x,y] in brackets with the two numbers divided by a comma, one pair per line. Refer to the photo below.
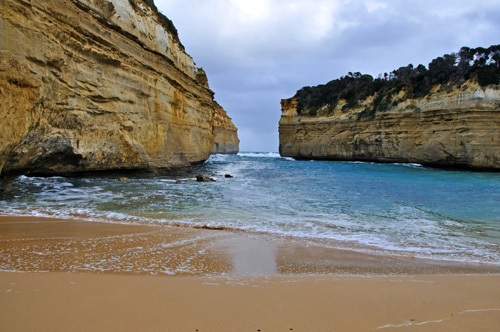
[396,209]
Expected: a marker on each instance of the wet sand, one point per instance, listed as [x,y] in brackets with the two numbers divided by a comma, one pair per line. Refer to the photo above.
[51,245]
[109,277]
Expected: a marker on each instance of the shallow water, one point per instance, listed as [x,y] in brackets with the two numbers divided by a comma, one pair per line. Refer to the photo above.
[397,209]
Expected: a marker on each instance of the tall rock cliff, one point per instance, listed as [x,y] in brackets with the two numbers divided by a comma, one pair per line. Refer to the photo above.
[98,85]
[226,135]
[455,127]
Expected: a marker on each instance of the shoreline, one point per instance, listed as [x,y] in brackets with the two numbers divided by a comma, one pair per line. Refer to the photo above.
[32,244]
[116,277]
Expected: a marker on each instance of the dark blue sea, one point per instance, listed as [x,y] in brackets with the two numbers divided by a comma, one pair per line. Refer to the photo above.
[396,209]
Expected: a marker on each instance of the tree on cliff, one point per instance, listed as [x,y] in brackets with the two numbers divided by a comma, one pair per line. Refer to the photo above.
[480,64]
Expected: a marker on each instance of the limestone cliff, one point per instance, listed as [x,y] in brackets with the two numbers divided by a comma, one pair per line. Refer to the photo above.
[226,135]
[98,85]
[449,127]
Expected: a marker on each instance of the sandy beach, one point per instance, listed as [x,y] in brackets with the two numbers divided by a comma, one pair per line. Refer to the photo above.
[111,277]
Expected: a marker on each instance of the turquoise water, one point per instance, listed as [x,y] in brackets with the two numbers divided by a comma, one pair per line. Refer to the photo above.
[400,209]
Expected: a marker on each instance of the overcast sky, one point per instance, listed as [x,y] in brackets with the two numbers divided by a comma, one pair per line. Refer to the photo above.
[257,52]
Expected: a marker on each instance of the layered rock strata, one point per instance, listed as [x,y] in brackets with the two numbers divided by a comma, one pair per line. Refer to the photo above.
[225,133]
[457,129]
[98,85]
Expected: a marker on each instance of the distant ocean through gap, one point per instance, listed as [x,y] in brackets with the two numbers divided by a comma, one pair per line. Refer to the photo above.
[396,209]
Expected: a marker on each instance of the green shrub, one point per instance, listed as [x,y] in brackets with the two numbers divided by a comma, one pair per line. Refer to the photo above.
[450,70]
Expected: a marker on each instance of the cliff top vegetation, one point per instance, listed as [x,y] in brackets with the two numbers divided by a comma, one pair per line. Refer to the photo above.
[448,71]
[165,22]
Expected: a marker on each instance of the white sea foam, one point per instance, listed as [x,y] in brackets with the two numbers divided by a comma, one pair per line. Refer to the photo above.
[219,157]
[380,208]
[411,165]
[274,155]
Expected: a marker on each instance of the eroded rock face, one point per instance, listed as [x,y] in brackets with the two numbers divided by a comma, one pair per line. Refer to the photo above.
[97,85]
[226,135]
[458,128]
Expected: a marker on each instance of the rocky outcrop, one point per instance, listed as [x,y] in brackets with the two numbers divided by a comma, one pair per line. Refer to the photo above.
[457,128]
[98,85]
[226,135]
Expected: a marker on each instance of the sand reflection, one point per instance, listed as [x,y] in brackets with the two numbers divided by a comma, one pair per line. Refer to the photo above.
[253,257]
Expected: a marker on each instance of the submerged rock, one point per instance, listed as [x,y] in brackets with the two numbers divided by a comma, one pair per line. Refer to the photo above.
[202,178]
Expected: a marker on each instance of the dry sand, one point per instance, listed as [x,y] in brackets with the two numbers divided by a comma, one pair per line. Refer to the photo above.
[107,277]
[90,302]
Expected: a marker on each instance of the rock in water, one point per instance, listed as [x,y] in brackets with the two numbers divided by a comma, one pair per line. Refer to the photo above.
[202,178]
[102,85]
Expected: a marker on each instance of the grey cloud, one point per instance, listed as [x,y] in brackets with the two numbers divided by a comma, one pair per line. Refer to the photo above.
[251,67]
